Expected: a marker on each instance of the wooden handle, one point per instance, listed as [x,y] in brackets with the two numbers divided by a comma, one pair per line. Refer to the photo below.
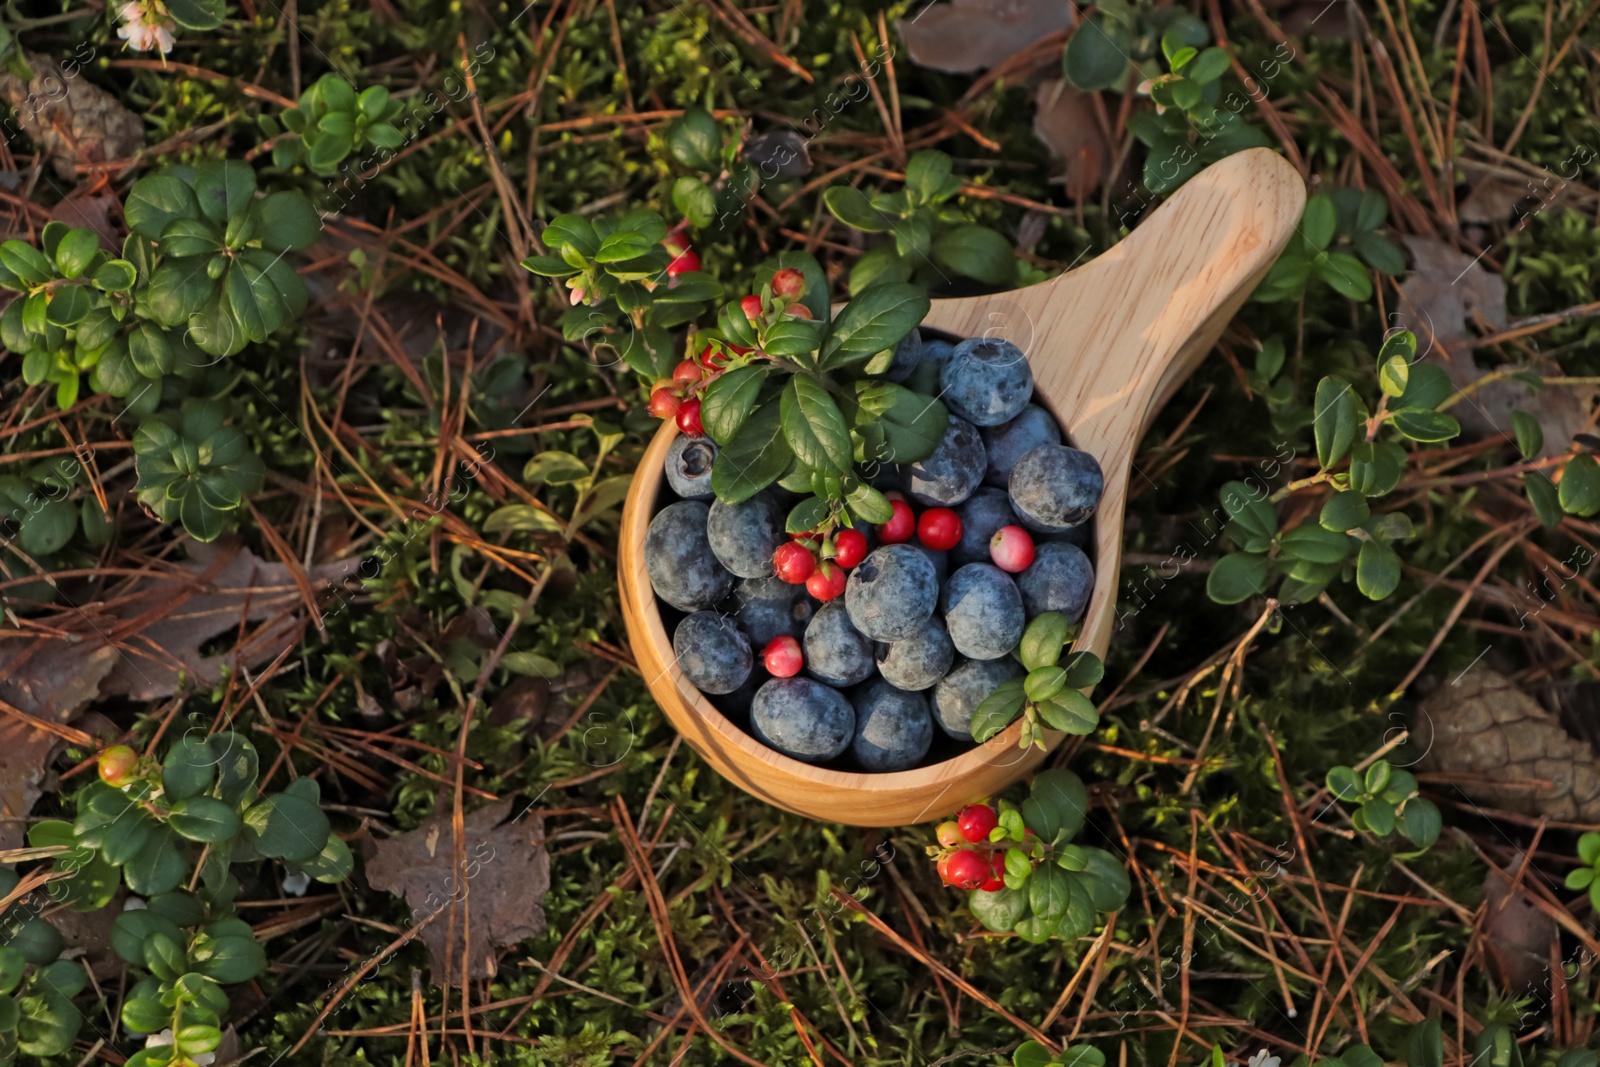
[1110,341]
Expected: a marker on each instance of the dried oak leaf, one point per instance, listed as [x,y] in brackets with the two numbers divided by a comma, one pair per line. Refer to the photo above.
[73,121]
[1498,737]
[1445,291]
[961,36]
[1517,935]
[1064,121]
[498,895]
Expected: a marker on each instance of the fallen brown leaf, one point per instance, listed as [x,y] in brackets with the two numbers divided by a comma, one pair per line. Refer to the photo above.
[73,121]
[1448,290]
[1064,120]
[94,210]
[507,876]
[1517,935]
[1499,739]
[961,36]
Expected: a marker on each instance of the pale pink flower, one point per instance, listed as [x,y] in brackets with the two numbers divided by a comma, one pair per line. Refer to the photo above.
[146,26]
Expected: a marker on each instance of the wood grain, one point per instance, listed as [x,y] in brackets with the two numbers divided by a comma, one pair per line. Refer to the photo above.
[1108,344]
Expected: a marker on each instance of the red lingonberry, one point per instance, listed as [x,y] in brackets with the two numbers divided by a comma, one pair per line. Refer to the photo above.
[901,527]
[827,583]
[689,418]
[751,306]
[976,820]
[943,867]
[997,873]
[793,562]
[709,358]
[939,529]
[782,657]
[663,402]
[849,548]
[736,350]
[949,834]
[1011,548]
[117,765]
[797,311]
[687,372]
[685,263]
[967,870]
[788,283]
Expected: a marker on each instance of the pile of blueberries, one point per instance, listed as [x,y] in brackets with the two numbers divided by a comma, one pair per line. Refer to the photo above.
[898,628]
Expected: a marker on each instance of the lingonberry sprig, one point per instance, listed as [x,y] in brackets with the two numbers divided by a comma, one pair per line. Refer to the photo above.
[1021,868]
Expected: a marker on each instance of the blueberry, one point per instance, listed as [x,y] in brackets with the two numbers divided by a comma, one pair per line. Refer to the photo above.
[1010,441]
[960,692]
[918,661]
[1055,487]
[953,471]
[802,718]
[925,378]
[986,381]
[984,512]
[893,727]
[689,466]
[907,354]
[713,653]
[744,536]
[892,592]
[683,570]
[836,652]
[771,607]
[983,611]
[1060,578]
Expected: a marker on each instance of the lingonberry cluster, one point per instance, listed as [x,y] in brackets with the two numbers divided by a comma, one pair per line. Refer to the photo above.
[973,848]
[678,397]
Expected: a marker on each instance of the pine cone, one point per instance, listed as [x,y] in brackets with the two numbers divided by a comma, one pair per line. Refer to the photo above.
[72,121]
[1485,726]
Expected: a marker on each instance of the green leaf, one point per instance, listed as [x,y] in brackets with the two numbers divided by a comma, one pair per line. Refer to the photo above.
[1379,816]
[1428,387]
[1588,847]
[998,909]
[48,530]
[1070,712]
[163,956]
[1209,66]
[76,251]
[912,424]
[1031,1054]
[158,867]
[230,959]
[1530,435]
[1237,577]
[1580,486]
[334,863]
[189,768]
[1344,511]
[1381,254]
[807,515]
[36,940]
[286,221]
[1097,55]
[1345,274]
[286,826]
[1084,670]
[1105,878]
[695,201]
[1057,806]
[197,15]
[1043,640]
[997,711]
[1425,1043]
[48,1025]
[155,201]
[1043,683]
[1580,878]
[204,819]
[623,245]
[1544,497]
[1250,510]
[1319,222]
[1393,375]
[814,426]
[694,141]
[978,252]
[1426,426]
[1497,1047]
[178,289]
[1336,423]
[755,457]
[877,319]
[1420,822]
[868,504]
[115,275]
[224,189]
[12,965]
[572,231]
[554,468]
[926,173]
[253,300]
[1377,570]
[1315,544]
[791,336]
[1376,466]
[1049,892]
[1377,776]
[850,206]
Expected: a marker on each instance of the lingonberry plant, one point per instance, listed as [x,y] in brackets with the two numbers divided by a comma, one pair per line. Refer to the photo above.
[193,468]
[37,1018]
[1337,240]
[331,122]
[1023,871]
[719,181]
[1033,1054]
[1348,539]
[1388,801]
[1588,875]
[927,231]
[1049,695]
